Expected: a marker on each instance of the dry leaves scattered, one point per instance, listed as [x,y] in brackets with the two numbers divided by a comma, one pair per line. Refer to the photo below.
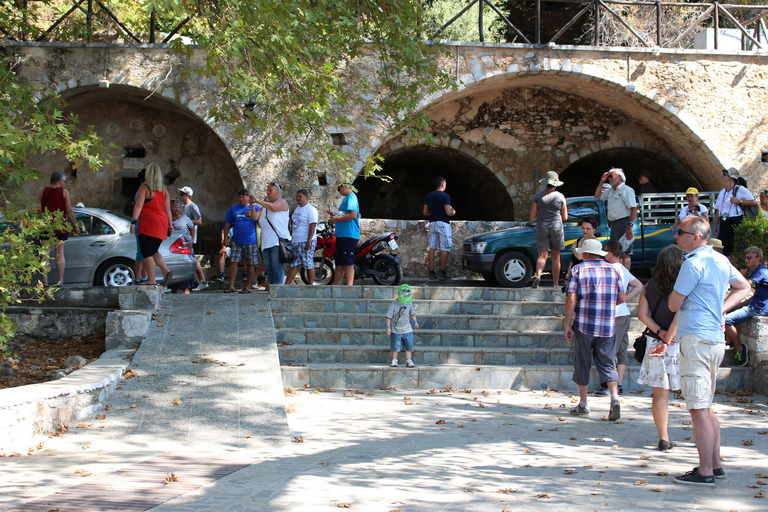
[171,477]
[641,482]
[129,374]
[176,403]
[83,472]
[508,490]
[298,439]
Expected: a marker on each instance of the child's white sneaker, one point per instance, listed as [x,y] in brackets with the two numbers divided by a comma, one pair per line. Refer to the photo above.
[393,364]
[410,364]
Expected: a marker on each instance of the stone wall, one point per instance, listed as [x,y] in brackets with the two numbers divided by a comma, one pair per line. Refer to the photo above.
[755,334]
[414,237]
[27,411]
[518,112]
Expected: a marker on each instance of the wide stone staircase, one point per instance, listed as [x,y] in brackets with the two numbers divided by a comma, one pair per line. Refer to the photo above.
[478,338]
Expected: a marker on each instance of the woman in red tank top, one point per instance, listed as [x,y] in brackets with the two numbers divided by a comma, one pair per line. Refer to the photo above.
[153,214]
[56,199]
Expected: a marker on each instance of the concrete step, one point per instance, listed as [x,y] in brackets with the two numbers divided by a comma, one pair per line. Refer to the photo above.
[428,322]
[380,354]
[430,337]
[451,293]
[452,307]
[476,377]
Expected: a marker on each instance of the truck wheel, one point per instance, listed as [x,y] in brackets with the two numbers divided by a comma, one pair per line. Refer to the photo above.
[513,270]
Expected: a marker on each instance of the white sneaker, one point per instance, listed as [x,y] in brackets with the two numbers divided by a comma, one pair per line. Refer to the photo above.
[410,364]
[200,287]
[394,363]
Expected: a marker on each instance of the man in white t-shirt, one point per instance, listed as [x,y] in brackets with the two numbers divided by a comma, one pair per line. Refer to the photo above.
[623,317]
[192,211]
[303,238]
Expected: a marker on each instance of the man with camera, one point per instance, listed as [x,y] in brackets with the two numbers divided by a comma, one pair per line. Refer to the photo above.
[693,208]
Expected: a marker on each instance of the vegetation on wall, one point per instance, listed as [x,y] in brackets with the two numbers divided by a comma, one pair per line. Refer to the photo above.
[750,233]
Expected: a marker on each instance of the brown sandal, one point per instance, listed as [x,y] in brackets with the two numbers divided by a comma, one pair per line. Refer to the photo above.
[229,290]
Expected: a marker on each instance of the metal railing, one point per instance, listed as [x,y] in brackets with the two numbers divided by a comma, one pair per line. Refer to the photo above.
[93,10]
[752,27]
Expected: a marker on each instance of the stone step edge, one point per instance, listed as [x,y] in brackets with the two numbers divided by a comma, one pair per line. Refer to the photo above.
[362,330]
[467,367]
[417,348]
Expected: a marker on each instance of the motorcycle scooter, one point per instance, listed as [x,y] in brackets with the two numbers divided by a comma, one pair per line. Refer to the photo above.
[383,268]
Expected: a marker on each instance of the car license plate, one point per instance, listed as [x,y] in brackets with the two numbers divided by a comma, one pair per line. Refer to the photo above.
[393,245]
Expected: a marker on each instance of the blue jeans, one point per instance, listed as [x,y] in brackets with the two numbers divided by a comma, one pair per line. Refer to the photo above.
[401,341]
[741,315]
[275,271]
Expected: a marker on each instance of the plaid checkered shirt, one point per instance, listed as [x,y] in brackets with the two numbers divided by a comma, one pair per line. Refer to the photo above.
[596,285]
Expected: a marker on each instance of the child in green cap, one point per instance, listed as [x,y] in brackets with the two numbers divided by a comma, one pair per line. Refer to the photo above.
[400,333]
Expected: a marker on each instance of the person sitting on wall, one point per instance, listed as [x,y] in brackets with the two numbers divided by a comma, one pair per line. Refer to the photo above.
[757,306]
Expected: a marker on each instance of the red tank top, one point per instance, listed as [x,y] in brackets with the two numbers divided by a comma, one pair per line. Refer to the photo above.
[52,200]
[152,220]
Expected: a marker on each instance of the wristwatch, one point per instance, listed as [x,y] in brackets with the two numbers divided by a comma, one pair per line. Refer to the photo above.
[630,223]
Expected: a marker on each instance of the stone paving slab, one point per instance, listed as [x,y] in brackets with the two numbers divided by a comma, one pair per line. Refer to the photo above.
[206,378]
[416,451]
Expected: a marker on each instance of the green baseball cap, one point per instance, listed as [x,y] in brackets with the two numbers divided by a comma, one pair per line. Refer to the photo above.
[404,294]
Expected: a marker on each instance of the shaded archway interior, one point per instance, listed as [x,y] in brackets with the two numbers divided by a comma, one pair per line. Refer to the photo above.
[581,177]
[475,192]
[149,128]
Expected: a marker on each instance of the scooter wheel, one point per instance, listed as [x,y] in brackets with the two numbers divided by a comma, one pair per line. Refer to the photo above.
[324,271]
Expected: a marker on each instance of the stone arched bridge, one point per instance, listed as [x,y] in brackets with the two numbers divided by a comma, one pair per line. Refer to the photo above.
[518,112]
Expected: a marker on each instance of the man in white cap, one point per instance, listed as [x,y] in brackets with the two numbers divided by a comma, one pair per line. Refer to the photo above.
[551,209]
[192,211]
[593,291]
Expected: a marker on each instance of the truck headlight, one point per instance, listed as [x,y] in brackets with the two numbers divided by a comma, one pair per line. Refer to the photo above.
[478,247]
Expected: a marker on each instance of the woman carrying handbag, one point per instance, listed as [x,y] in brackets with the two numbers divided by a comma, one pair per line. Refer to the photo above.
[660,367]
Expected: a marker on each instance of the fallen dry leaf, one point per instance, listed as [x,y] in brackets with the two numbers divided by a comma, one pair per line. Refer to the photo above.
[761,494]
[344,505]
[569,471]
[747,442]
[645,457]
[83,472]
[171,477]
[473,491]
[129,374]
[655,490]
[133,406]
[662,473]
[298,439]
[641,482]
[761,475]
[573,438]
[508,490]
[176,403]
[544,495]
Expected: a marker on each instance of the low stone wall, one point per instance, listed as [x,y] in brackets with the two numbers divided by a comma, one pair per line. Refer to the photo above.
[754,333]
[413,238]
[28,411]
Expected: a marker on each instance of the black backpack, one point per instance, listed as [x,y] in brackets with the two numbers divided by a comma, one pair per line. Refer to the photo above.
[750,211]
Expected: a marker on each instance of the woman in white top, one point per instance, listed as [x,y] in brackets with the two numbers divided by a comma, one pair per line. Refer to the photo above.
[728,209]
[274,225]
[693,208]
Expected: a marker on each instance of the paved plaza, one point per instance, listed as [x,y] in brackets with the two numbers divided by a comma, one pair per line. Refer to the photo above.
[202,426]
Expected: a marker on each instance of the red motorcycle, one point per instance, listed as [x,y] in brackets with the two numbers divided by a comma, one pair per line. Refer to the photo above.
[383,268]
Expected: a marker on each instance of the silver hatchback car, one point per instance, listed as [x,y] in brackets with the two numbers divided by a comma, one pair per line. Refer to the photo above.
[103,254]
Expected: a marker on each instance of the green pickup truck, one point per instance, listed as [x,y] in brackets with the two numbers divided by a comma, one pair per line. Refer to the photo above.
[508,256]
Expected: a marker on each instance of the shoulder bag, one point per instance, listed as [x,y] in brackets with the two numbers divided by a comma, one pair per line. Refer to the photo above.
[641,344]
[285,255]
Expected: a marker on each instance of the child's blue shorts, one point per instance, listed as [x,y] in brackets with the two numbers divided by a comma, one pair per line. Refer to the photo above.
[401,341]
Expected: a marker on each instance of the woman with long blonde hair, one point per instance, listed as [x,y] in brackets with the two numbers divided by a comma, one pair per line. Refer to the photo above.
[153,214]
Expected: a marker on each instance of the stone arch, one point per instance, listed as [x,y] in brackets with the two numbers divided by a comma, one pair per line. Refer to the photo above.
[671,134]
[148,128]
[476,191]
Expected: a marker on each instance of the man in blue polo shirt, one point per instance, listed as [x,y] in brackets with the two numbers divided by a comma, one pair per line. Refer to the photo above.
[242,219]
[699,298]
[347,235]
[758,306]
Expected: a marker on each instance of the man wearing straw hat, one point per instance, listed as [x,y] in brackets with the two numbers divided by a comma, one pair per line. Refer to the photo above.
[551,209]
[593,291]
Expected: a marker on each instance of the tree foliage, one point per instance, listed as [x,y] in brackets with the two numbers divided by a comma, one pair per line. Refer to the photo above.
[750,233]
[32,122]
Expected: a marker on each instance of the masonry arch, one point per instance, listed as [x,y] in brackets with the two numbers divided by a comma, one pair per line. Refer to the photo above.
[146,128]
[520,125]
[475,191]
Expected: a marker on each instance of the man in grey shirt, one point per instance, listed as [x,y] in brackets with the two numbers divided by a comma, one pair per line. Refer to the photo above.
[551,209]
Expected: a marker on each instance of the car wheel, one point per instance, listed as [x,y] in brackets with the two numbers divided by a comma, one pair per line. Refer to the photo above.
[117,272]
[324,272]
[513,269]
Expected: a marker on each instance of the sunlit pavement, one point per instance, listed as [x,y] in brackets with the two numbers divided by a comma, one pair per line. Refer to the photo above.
[458,450]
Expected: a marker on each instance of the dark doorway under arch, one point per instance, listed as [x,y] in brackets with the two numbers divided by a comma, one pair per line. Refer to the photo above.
[475,192]
[581,177]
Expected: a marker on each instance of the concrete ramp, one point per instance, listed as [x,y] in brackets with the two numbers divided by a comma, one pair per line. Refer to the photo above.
[207,376]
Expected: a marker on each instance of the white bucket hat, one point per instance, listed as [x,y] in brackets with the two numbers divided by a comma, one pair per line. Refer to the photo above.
[551,179]
[591,246]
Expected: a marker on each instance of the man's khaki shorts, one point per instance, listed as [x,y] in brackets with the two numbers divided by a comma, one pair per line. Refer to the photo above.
[699,360]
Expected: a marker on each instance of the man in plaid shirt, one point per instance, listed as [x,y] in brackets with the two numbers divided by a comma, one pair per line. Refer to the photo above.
[593,291]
